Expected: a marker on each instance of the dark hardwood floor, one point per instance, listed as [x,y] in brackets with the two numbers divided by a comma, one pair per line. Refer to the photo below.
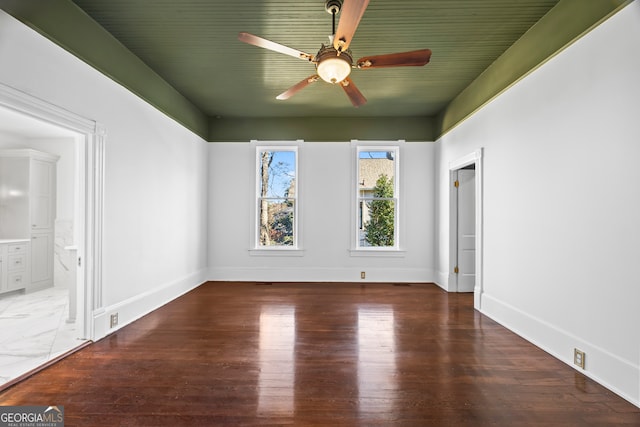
[319,354]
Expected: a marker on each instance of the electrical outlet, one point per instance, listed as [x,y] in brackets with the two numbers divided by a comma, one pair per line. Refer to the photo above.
[362,274]
[114,320]
[578,358]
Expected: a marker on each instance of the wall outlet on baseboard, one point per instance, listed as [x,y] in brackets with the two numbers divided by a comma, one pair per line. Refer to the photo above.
[113,320]
[363,274]
[578,358]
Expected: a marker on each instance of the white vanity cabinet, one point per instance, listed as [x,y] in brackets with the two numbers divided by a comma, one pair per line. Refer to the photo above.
[14,265]
[27,211]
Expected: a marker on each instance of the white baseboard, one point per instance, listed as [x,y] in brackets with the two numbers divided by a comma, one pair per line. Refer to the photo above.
[373,275]
[142,304]
[443,280]
[618,375]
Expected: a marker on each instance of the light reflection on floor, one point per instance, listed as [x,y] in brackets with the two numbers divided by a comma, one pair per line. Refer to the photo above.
[277,364]
[376,359]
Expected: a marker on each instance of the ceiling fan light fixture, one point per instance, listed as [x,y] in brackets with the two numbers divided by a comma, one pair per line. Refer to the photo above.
[334,70]
[335,61]
[331,67]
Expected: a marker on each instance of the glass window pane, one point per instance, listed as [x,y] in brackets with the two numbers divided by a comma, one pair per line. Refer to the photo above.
[371,166]
[379,226]
[277,173]
[276,222]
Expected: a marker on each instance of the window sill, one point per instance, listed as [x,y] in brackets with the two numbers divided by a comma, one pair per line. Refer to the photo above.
[277,252]
[388,253]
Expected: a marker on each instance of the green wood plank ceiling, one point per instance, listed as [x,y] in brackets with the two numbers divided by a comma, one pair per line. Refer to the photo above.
[184,58]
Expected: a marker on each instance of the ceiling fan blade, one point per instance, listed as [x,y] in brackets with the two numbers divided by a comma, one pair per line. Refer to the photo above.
[276,47]
[350,15]
[414,58]
[356,97]
[298,87]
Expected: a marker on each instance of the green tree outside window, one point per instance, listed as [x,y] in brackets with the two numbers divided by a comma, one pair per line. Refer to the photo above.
[379,229]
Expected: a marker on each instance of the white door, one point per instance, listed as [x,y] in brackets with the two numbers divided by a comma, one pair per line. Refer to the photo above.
[466,230]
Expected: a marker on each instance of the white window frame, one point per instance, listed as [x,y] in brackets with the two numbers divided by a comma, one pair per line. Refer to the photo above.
[276,250]
[356,249]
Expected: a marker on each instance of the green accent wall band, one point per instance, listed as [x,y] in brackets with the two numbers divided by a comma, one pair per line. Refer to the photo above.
[565,23]
[318,129]
[65,24]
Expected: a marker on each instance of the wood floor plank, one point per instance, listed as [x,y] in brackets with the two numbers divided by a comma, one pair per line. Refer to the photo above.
[319,354]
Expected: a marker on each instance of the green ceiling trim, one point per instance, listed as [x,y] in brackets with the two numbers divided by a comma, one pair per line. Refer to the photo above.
[322,129]
[68,26]
[565,23]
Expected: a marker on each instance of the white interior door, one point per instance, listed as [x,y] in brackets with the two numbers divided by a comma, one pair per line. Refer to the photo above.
[466,230]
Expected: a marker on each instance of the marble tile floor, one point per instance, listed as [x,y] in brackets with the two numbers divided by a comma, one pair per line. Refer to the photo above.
[34,330]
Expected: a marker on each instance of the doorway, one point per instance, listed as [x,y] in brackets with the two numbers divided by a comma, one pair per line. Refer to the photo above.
[465,220]
[31,125]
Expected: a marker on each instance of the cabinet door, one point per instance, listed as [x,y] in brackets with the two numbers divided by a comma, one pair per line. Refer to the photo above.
[14,197]
[41,192]
[41,258]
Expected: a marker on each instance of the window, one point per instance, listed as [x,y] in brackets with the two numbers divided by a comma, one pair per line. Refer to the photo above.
[377,198]
[276,197]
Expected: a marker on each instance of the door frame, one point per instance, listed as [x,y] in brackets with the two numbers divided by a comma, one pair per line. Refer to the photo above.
[474,158]
[89,192]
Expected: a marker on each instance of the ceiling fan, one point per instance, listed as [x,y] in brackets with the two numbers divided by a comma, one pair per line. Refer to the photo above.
[335,61]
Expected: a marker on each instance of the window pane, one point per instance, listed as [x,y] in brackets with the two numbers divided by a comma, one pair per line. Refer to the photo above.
[380,223]
[277,173]
[371,166]
[276,222]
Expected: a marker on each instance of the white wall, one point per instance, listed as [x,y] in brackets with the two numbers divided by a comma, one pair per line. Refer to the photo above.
[155,218]
[561,205]
[325,189]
